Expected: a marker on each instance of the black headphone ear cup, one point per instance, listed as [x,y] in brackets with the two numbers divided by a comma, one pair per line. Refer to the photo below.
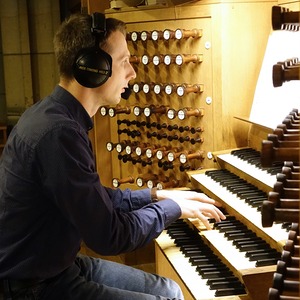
[92,67]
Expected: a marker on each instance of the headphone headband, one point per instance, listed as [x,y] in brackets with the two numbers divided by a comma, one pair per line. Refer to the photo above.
[98,26]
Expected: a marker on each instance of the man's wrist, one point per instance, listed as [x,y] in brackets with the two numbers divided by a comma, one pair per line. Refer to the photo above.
[153,193]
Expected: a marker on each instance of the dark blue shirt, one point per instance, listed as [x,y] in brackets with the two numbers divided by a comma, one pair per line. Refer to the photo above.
[51,197]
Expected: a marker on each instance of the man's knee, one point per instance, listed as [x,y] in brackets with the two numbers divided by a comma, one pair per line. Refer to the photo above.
[174,288]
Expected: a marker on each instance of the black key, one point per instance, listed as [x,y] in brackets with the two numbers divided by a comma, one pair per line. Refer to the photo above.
[213,269]
[202,261]
[233,236]
[267,262]
[267,255]
[254,246]
[255,240]
[199,259]
[232,228]
[195,253]
[227,279]
[238,241]
[257,251]
[216,274]
[230,291]
[237,231]
[225,284]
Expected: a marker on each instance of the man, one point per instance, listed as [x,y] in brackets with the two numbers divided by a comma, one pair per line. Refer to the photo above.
[51,198]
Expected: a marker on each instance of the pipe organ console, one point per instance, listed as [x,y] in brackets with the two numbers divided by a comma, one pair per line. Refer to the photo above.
[258,243]
[171,132]
[260,191]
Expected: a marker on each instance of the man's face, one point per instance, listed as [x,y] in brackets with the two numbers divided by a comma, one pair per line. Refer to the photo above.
[122,70]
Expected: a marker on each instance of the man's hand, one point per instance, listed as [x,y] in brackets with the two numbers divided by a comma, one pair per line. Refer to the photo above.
[194,205]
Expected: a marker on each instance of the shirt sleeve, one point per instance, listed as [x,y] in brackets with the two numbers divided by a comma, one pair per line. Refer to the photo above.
[128,200]
[109,221]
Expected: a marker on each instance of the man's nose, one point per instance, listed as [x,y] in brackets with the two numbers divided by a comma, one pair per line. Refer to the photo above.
[132,73]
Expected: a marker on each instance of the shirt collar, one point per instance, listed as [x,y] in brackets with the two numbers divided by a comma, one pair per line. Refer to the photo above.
[79,113]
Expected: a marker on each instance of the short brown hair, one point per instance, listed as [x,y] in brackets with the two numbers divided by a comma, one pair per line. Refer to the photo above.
[74,34]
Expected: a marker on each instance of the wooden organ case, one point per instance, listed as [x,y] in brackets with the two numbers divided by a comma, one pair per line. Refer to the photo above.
[259,243]
[187,90]
[197,65]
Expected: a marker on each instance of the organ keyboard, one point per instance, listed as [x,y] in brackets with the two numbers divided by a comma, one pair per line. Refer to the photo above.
[190,241]
[248,161]
[217,264]
[238,203]
[241,244]
[262,204]
[260,192]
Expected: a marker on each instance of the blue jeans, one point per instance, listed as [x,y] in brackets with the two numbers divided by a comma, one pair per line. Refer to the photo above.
[94,279]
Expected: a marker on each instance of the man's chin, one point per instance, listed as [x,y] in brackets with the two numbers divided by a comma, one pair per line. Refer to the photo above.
[116,101]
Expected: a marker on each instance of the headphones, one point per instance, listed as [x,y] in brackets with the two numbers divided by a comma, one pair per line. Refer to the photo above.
[92,66]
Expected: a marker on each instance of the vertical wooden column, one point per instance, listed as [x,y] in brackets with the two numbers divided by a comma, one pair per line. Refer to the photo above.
[30,73]
[43,20]
[16,58]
